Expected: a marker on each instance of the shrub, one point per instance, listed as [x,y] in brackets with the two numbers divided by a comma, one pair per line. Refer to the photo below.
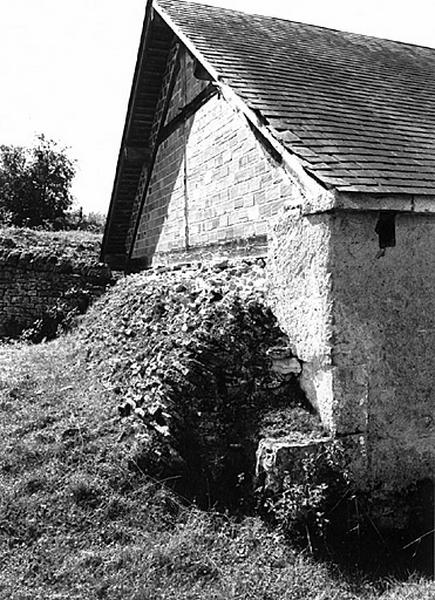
[35,184]
[304,504]
[59,318]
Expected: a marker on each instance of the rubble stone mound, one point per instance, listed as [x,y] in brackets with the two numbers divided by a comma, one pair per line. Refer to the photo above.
[187,354]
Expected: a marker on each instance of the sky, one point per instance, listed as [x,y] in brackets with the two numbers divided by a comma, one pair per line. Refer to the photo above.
[66,67]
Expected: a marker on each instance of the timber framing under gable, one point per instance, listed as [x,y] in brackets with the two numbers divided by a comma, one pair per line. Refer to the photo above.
[162,132]
[144,131]
[190,109]
[168,83]
[155,45]
[139,145]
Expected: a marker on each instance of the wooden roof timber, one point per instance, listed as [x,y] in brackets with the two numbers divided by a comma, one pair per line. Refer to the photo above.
[134,150]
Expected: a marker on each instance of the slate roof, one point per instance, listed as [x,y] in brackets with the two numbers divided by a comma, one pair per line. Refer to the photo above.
[359,111]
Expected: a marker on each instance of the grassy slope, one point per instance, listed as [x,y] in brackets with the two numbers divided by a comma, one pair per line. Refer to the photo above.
[77,247]
[76,523]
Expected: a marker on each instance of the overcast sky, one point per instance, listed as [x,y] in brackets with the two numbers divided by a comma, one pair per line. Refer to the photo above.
[66,67]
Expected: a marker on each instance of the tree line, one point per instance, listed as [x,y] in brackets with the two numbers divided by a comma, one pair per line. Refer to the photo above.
[35,188]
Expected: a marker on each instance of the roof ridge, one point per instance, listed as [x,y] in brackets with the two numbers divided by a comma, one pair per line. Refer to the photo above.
[288,20]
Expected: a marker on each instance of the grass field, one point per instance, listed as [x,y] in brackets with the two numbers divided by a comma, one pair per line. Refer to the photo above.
[65,244]
[77,523]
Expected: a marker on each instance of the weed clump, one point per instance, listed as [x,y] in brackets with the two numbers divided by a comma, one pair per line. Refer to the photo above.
[184,355]
[61,317]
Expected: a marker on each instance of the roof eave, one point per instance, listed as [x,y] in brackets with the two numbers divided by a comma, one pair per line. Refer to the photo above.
[377,201]
[138,67]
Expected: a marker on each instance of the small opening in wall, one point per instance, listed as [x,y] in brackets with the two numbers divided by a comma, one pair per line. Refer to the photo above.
[386,229]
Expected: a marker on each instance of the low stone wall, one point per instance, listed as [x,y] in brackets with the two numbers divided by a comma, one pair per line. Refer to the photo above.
[31,285]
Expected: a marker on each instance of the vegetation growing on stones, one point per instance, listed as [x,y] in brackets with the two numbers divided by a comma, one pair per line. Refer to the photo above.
[81,249]
[61,317]
[184,354]
[47,280]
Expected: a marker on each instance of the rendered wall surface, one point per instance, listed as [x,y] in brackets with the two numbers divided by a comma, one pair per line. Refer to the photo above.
[212,182]
[384,342]
[364,327]
[300,292]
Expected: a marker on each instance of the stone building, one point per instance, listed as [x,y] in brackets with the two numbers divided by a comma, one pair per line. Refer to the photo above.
[249,134]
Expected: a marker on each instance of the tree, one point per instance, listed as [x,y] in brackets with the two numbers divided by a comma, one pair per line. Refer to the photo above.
[93,221]
[35,184]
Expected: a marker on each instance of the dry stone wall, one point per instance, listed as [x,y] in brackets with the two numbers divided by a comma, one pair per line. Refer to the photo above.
[31,285]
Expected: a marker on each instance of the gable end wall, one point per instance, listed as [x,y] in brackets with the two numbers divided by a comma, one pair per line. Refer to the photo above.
[212,182]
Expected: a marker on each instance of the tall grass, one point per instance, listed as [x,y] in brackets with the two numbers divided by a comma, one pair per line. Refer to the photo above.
[77,523]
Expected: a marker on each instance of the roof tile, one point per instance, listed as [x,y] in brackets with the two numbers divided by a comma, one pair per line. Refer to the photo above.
[355,109]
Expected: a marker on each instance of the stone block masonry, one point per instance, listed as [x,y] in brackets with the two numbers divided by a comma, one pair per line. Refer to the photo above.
[31,284]
[212,183]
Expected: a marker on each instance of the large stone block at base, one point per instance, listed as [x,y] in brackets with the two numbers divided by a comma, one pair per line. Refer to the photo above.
[280,459]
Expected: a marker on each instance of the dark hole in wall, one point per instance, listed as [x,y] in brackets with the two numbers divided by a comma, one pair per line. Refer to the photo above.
[386,229]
